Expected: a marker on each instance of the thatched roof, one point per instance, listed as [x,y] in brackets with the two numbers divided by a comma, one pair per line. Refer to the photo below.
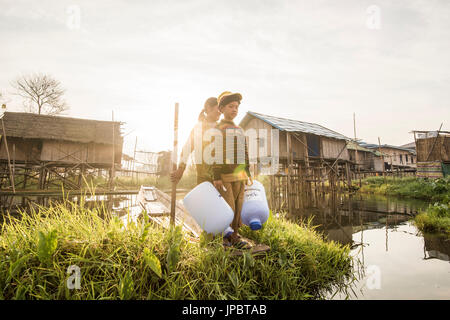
[34,126]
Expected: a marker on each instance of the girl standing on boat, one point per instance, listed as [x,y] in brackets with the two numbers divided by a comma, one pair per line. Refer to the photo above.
[207,119]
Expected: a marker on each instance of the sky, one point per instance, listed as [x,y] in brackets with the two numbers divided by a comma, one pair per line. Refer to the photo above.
[315,61]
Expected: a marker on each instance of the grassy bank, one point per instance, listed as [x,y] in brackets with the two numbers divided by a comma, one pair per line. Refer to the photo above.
[412,187]
[436,219]
[142,261]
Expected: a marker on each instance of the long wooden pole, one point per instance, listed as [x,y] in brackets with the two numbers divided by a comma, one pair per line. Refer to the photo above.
[382,158]
[134,161]
[14,164]
[113,152]
[174,166]
[289,172]
[356,143]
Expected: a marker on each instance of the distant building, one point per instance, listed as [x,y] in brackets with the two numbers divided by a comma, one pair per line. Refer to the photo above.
[395,158]
[61,140]
[365,159]
[410,146]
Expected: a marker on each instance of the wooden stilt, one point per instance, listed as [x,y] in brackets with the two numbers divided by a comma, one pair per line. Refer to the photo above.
[289,171]
[174,167]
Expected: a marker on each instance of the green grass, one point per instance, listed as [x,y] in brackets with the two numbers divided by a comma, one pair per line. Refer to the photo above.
[427,189]
[436,219]
[142,261]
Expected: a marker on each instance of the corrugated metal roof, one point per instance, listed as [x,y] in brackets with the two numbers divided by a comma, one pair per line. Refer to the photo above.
[295,125]
[376,146]
[351,145]
[355,146]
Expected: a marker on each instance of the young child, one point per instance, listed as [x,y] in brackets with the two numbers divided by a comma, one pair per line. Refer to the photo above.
[206,120]
[231,176]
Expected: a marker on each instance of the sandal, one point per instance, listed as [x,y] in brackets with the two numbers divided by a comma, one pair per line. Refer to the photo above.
[226,241]
[241,244]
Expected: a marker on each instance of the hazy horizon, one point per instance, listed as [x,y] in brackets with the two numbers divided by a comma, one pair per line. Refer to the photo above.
[387,62]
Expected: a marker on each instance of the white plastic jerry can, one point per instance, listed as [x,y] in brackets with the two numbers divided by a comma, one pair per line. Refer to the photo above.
[205,204]
[255,209]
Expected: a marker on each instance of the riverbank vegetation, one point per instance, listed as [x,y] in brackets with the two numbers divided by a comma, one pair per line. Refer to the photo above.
[436,218]
[412,187]
[143,261]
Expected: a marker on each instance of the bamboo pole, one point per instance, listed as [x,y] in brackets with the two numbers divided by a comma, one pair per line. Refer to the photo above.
[14,164]
[134,161]
[111,181]
[382,158]
[174,166]
[356,144]
[289,171]
[25,176]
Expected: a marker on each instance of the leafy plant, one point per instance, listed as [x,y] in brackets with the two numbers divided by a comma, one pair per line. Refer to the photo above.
[47,244]
[126,286]
[152,262]
[174,242]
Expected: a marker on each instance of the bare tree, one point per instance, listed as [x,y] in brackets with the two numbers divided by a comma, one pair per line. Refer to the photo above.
[42,94]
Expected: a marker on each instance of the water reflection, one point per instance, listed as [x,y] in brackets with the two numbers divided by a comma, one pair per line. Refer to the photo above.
[394,260]
[436,248]
[339,217]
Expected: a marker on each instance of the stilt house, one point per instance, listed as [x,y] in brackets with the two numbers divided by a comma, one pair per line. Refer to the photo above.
[52,145]
[302,142]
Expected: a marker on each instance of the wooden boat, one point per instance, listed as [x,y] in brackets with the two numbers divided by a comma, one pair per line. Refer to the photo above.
[157,206]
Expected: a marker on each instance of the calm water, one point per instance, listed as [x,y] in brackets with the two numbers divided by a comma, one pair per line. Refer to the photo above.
[394,260]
